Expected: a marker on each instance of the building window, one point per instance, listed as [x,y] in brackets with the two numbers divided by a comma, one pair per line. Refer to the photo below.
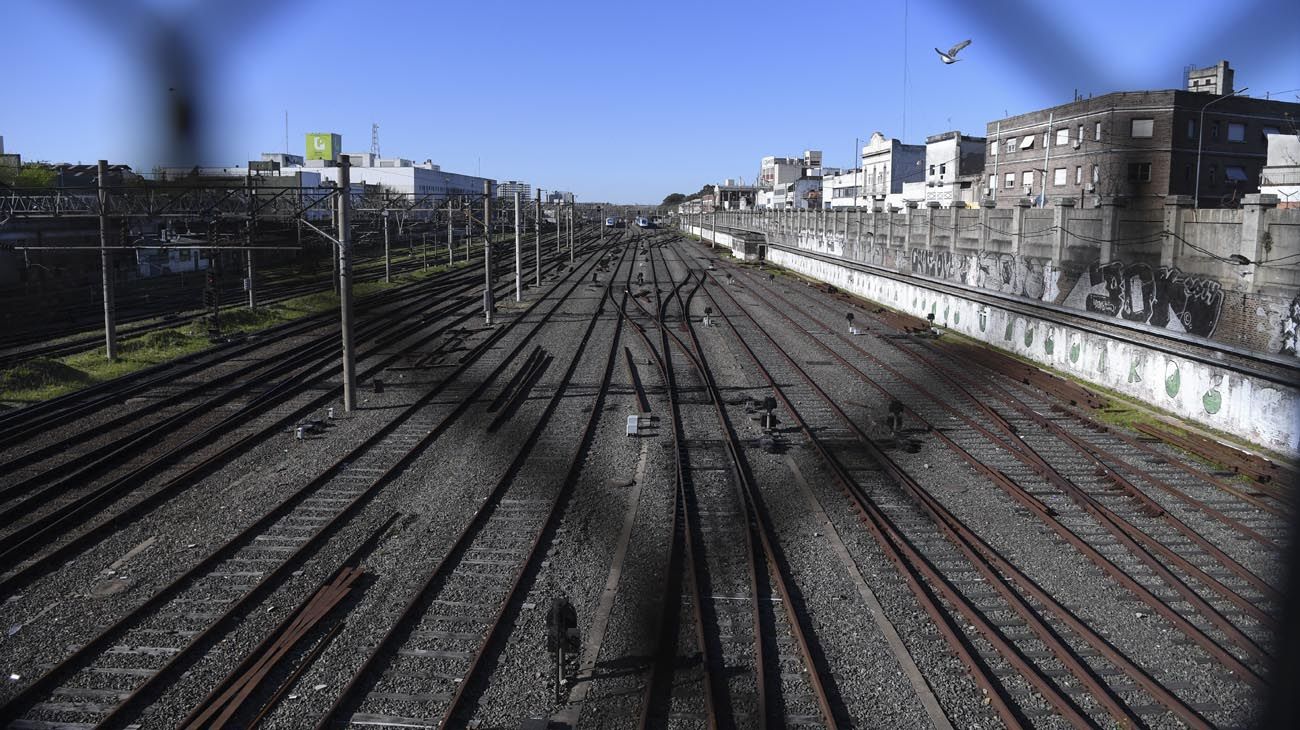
[931,169]
[1142,127]
[1096,132]
[1009,181]
[993,182]
[943,169]
[1191,129]
[1058,176]
[1234,174]
[1236,132]
[1214,169]
[993,150]
[1187,173]
[1214,130]
[1139,172]
[1266,131]
[1062,136]
[1096,174]
[1027,142]
[1027,178]
[1078,175]
[1080,136]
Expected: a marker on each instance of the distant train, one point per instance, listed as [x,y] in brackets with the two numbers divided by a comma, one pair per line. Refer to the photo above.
[611,222]
[643,222]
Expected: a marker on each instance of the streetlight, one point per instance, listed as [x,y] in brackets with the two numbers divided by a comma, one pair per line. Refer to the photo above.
[1200,137]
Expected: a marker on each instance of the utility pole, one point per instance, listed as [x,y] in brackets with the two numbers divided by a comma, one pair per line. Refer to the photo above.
[345,285]
[451,236]
[106,264]
[488,304]
[519,254]
[248,241]
[570,234]
[388,260]
[537,231]
[424,249]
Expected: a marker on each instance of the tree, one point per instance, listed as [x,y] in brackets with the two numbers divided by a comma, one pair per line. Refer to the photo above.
[672,199]
[29,175]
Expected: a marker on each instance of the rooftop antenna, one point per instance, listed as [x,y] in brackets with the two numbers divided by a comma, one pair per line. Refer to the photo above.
[374,139]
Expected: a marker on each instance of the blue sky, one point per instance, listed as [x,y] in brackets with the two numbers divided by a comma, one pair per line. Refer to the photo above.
[613,100]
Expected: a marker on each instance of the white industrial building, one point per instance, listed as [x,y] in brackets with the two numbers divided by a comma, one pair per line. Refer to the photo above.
[402,176]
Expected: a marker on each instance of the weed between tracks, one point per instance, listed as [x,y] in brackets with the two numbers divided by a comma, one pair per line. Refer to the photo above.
[44,378]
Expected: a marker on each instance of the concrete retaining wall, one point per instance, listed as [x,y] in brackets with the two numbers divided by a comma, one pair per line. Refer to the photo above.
[1259,411]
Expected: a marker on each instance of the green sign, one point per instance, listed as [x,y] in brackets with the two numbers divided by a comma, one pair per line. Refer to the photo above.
[323,146]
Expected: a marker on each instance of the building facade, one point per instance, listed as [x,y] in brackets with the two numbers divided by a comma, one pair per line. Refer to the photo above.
[886,165]
[1139,146]
[508,189]
[954,165]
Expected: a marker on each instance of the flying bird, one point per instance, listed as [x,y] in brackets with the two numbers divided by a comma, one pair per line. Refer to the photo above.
[951,55]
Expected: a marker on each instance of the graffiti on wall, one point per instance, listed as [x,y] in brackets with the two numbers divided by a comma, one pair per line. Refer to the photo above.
[1291,329]
[1022,276]
[1160,296]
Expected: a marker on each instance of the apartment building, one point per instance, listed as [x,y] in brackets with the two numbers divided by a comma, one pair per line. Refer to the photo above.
[1140,146]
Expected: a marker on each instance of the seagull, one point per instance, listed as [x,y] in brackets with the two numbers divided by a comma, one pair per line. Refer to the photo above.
[951,56]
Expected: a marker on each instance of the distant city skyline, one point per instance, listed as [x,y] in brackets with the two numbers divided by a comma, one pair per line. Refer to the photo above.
[610,101]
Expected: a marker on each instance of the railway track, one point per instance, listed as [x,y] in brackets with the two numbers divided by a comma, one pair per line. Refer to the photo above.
[748,675]
[136,318]
[64,517]
[1102,662]
[1032,456]
[426,669]
[114,674]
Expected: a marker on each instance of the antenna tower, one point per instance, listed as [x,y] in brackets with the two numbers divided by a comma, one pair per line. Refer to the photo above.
[374,139]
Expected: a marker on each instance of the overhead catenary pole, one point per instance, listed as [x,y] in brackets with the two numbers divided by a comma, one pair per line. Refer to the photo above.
[537,245]
[570,233]
[106,265]
[451,236]
[248,241]
[388,260]
[519,254]
[345,285]
[488,304]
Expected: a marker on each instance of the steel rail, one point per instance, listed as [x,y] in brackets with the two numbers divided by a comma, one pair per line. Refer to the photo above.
[30,695]
[1017,446]
[912,563]
[352,693]
[29,538]
[52,560]
[1158,605]
[761,524]
[970,543]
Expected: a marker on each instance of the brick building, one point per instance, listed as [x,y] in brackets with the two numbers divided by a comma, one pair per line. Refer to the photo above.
[1138,145]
